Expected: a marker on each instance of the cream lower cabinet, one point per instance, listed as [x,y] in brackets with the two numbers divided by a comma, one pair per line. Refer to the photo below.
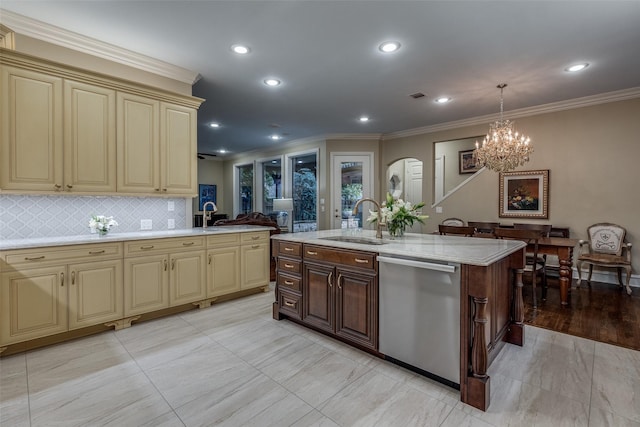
[254,253]
[223,264]
[162,273]
[46,291]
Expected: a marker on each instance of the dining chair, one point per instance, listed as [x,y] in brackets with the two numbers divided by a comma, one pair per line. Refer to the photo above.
[606,247]
[531,238]
[545,229]
[453,221]
[483,227]
[455,230]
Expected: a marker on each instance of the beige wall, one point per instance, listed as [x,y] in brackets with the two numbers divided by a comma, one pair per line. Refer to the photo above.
[211,172]
[592,154]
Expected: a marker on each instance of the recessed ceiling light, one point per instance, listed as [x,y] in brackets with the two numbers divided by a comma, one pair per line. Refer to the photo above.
[272,82]
[577,67]
[299,161]
[222,151]
[443,100]
[240,49]
[214,125]
[388,47]
[364,119]
[275,137]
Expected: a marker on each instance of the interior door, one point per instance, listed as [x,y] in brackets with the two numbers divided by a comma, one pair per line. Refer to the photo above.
[352,181]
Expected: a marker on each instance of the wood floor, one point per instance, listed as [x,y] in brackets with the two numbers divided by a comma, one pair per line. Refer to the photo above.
[603,312]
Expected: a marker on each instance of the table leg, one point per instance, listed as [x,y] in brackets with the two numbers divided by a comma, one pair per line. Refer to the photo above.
[564,258]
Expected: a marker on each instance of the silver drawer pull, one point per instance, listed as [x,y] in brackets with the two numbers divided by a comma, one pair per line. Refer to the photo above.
[255,237]
[187,243]
[288,249]
[312,253]
[288,282]
[34,258]
[288,265]
[255,246]
[146,247]
[96,252]
[362,261]
[289,304]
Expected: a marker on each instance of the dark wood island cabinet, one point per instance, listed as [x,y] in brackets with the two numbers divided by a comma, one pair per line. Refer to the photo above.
[334,289]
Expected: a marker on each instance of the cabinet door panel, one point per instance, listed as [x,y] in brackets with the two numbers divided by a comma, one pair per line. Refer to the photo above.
[255,265]
[356,307]
[188,278]
[146,284]
[138,144]
[31,145]
[318,296]
[224,271]
[178,149]
[95,293]
[34,304]
[90,138]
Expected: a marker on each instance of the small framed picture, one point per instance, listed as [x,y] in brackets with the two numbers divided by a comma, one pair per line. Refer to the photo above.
[524,194]
[467,162]
[206,193]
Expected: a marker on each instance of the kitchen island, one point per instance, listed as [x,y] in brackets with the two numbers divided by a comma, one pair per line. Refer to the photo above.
[329,281]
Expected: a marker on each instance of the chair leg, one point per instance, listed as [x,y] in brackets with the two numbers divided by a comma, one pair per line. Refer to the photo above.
[619,271]
[578,264]
[534,279]
[628,268]
[590,272]
[544,284]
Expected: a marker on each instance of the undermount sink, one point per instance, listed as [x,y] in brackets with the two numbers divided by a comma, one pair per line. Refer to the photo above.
[354,239]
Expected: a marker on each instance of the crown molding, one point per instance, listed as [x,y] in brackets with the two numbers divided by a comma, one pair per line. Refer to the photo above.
[68,39]
[587,101]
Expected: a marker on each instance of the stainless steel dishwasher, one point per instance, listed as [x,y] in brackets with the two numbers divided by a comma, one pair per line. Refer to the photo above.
[420,316]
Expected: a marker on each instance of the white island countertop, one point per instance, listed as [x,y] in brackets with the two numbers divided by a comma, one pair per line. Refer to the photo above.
[455,249]
[121,237]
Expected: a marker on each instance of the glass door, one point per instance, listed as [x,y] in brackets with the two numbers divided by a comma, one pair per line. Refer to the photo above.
[352,179]
[304,191]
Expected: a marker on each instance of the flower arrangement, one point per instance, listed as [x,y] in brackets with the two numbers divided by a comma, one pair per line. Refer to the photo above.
[398,214]
[101,223]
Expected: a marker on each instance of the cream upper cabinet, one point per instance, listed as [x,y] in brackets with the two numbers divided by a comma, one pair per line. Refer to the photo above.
[178,149]
[31,145]
[89,138]
[95,293]
[157,144]
[33,304]
[138,127]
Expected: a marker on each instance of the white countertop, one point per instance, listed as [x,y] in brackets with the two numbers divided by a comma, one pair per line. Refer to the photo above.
[120,237]
[455,249]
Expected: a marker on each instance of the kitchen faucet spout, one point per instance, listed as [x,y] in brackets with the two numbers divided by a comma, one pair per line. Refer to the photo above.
[206,215]
[379,223]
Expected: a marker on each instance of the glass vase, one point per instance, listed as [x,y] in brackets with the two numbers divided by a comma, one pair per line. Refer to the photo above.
[396,230]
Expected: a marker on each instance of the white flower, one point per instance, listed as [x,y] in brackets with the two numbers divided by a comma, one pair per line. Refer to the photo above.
[102,222]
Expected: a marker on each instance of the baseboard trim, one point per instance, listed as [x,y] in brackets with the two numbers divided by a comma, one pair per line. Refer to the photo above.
[607,277]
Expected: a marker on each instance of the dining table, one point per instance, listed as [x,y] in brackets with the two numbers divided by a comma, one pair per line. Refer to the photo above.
[562,247]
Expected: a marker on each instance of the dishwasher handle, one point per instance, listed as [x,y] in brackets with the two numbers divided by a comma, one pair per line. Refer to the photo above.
[418,264]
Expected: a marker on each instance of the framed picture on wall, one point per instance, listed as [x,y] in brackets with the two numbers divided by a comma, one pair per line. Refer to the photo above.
[466,162]
[206,193]
[524,194]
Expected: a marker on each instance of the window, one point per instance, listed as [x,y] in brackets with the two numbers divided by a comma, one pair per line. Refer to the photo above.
[245,188]
[304,191]
[271,184]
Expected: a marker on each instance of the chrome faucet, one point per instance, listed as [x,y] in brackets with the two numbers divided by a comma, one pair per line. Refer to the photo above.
[379,223]
[207,214]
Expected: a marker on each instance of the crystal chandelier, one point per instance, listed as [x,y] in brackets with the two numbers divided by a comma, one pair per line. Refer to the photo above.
[503,149]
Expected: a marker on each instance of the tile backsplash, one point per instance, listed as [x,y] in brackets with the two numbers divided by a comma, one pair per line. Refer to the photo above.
[50,216]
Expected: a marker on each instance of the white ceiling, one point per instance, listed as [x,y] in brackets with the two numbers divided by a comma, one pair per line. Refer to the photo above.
[326,53]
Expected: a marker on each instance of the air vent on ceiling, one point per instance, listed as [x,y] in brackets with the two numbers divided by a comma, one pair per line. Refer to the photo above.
[417,95]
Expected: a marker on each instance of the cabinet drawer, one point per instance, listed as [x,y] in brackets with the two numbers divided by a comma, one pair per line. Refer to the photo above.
[290,303]
[140,247]
[254,237]
[226,239]
[289,265]
[23,257]
[288,282]
[289,249]
[339,256]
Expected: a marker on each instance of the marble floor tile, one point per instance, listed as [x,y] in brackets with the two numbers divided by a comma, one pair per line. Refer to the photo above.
[258,402]
[601,418]
[615,391]
[315,419]
[103,399]
[14,392]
